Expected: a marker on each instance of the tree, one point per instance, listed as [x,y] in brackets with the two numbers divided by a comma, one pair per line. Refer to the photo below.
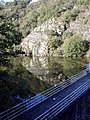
[75,46]
[9,34]
[54,40]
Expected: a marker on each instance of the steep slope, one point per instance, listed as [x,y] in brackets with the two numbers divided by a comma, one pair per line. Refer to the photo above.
[81,25]
[54,22]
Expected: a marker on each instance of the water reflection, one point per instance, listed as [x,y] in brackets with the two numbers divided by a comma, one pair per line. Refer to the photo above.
[17,84]
[53,70]
[23,77]
[44,70]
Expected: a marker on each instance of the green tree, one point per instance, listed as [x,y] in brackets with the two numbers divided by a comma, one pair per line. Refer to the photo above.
[75,46]
[9,34]
[83,2]
[54,40]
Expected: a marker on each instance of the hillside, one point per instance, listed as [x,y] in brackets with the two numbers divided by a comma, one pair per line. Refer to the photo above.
[62,27]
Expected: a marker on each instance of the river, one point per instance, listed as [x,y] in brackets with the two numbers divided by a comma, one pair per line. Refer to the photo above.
[22,77]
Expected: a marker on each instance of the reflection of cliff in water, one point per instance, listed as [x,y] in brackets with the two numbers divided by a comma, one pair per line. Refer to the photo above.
[45,69]
[53,70]
[17,84]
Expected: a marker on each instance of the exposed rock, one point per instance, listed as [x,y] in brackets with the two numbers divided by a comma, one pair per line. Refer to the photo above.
[81,25]
[37,41]
[51,24]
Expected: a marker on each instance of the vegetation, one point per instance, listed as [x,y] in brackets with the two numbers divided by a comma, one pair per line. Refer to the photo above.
[24,17]
[17,20]
[30,16]
[9,34]
[54,40]
[16,81]
[75,46]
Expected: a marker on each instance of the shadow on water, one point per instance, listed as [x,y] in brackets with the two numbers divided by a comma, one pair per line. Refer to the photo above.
[22,77]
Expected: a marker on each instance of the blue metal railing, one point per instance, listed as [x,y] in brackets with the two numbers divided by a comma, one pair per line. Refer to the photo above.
[29,103]
[64,103]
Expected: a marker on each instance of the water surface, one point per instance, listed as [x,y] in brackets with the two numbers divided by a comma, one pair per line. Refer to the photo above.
[23,77]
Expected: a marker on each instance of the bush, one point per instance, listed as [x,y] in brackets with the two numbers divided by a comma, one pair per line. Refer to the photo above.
[83,2]
[75,46]
[67,35]
[54,40]
[58,52]
[70,15]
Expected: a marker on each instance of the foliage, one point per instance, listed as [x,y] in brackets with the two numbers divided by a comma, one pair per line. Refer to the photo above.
[17,49]
[9,34]
[29,16]
[70,15]
[75,46]
[67,35]
[54,40]
[84,2]
[58,52]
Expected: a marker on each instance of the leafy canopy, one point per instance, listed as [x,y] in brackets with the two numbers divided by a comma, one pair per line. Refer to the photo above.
[75,46]
[9,34]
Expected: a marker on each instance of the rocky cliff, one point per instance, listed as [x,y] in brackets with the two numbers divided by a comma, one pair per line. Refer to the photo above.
[37,41]
[81,25]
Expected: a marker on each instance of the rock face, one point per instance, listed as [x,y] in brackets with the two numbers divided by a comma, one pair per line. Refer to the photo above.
[31,1]
[37,41]
[51,24]
[81,25]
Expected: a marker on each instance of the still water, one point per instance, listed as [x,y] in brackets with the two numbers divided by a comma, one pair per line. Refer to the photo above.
[22,77]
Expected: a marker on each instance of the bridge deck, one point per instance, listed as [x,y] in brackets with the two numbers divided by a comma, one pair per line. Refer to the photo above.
[40,110]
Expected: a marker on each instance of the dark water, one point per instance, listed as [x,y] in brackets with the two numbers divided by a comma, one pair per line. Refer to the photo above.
[22,77]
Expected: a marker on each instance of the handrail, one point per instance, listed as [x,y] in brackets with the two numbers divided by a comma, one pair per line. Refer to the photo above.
[72,79]
[61,104]
[22,107]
